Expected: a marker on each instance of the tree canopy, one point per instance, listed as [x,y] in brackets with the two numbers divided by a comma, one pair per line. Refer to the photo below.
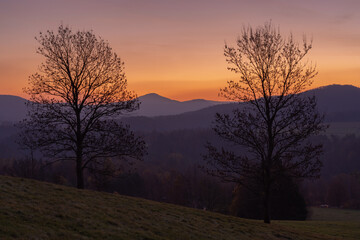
[274,121]
[76,99]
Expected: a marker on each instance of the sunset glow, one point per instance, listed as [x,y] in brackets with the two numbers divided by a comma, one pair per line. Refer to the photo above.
[175,48]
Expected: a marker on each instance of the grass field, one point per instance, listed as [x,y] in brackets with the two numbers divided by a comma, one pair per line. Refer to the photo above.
[334,214]
[37,210]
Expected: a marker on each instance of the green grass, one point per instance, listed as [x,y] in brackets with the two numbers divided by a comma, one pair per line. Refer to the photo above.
[334,214]
[36,210]
[337,229]
[341,223]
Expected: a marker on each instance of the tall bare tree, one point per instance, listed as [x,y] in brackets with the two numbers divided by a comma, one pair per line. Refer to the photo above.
[76,96]
[274,120]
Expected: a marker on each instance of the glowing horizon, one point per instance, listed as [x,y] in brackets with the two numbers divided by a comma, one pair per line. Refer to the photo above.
[175,48]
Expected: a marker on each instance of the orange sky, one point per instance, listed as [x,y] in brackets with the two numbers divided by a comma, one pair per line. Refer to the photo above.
[175,48]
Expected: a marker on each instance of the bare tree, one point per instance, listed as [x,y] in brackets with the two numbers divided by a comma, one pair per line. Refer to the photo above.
[274,120]
[76,96]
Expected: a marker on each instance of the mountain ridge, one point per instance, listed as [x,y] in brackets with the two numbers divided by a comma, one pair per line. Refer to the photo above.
[332,100]
[13,109]
[343,108]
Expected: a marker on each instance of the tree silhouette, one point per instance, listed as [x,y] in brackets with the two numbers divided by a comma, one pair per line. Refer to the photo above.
[274,121]
[76,96]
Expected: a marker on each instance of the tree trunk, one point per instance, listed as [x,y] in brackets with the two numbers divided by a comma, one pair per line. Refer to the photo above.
[79,174]
[79,152]
[79,168]
[267,205]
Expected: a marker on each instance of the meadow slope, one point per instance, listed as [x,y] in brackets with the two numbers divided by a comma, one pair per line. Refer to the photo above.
[36,210]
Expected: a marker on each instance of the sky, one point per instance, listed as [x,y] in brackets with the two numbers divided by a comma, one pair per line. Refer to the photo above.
[175,47]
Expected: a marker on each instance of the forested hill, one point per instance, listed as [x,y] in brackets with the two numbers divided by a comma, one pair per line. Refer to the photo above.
[12,108]
[37,210]
[339,103]
[155,105]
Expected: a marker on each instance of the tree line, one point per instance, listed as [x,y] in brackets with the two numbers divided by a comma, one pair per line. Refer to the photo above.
[171,174]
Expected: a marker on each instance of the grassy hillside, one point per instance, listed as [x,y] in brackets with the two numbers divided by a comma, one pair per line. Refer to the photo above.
[334,214]
[36,210]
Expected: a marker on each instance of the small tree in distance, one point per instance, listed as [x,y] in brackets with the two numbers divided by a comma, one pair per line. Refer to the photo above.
[273,124]
[79,91]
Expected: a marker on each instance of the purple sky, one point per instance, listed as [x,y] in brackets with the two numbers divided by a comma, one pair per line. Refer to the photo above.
[175,48]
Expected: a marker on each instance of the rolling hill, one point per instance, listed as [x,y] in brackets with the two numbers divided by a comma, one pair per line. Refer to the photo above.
[155,105]
[12,108]
[339,103]
[37,210]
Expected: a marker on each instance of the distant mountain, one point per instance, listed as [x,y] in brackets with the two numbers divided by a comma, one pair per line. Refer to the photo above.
[12,108]
[337,98]
[339,103]
[155,105]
